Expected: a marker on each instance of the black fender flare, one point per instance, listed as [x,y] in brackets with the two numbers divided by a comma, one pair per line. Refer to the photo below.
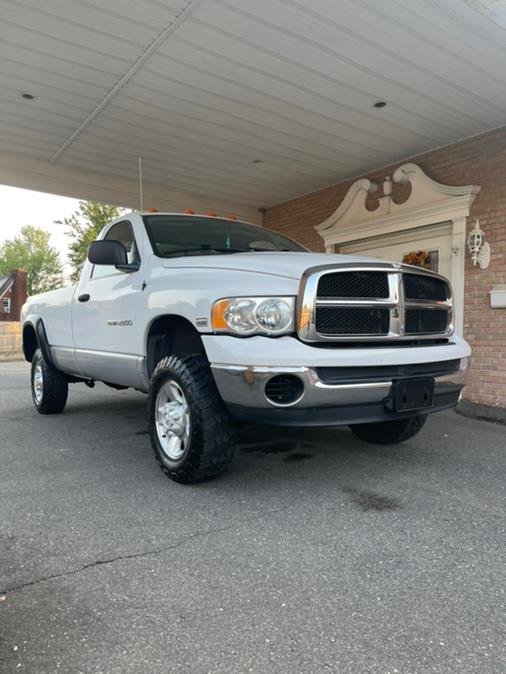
[40,332]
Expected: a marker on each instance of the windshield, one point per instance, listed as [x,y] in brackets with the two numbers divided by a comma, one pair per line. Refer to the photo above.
[179,235]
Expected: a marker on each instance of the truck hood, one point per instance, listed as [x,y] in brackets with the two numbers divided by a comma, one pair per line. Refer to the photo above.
[289,265]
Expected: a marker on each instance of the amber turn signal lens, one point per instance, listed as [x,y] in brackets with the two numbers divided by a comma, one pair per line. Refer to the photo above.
[188,211]
[213,214]
[305,318]
[218,315]
[151,210]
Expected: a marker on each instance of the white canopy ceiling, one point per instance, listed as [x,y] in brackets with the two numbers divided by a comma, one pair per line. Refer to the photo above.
[244,102]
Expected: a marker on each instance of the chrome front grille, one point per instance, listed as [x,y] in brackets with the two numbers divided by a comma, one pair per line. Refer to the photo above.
[373,302]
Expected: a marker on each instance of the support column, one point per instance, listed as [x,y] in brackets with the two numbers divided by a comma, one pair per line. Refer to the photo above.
[458,270]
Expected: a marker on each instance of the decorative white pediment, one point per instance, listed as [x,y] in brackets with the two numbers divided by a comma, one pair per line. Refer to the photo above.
[428,202]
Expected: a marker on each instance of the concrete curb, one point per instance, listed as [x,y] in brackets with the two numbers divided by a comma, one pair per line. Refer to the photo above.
[478,411]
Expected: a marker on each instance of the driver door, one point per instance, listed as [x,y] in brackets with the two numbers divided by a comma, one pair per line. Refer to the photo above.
[105,311]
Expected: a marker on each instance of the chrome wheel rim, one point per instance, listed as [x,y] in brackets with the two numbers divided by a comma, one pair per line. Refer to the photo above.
[38,383]
[172,420]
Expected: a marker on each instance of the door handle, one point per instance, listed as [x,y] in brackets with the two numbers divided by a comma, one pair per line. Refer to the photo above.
[83,298]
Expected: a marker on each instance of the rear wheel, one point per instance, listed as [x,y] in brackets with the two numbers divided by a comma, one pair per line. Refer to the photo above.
[390,432]
[49,386]
[189,426]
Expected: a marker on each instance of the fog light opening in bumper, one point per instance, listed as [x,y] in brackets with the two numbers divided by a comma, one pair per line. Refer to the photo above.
[284,390]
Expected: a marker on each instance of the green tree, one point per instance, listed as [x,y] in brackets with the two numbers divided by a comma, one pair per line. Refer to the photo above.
[31,251]
[85,225]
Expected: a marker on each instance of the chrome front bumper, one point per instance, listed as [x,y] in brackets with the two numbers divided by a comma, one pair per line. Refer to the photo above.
[245,386]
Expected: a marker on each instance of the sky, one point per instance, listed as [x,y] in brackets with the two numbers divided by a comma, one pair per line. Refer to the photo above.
[19,207]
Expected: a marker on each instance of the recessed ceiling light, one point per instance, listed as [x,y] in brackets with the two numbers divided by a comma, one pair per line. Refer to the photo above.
[257,161]
[379,104]
[27,97]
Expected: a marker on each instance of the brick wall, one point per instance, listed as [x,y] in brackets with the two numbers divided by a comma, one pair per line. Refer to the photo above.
[481,161]
[17,295]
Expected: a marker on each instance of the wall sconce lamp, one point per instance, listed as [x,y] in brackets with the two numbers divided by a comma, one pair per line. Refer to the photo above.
[478,247]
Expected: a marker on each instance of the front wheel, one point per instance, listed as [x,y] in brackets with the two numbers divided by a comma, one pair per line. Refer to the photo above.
[49,386]
[390,432]
[189,426]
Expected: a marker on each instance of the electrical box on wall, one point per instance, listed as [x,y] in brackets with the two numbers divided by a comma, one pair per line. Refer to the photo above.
[498,297]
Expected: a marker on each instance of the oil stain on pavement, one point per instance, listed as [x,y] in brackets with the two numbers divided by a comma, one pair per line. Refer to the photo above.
[369,500]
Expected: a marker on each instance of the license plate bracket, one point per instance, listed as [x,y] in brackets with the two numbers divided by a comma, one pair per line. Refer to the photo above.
[409,395]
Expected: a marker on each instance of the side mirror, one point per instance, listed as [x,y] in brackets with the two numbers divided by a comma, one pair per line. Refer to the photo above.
[112,253]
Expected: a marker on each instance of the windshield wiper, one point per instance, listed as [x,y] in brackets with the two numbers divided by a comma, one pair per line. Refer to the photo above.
[185,251]
[216,249]
[254,249]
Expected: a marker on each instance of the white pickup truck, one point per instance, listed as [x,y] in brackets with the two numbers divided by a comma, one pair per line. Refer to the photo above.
[219,320]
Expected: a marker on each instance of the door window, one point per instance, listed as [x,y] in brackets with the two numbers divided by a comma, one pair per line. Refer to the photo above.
[122,232]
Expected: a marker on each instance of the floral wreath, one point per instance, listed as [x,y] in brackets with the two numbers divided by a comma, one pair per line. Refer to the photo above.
[418,258]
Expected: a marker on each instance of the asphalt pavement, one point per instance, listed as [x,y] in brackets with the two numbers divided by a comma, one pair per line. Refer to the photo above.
[315,553]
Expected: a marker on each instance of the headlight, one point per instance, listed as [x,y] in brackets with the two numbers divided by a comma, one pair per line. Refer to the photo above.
[254,315]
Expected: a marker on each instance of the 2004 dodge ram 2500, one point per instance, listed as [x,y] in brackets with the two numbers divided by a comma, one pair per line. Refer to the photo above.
[219,320]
